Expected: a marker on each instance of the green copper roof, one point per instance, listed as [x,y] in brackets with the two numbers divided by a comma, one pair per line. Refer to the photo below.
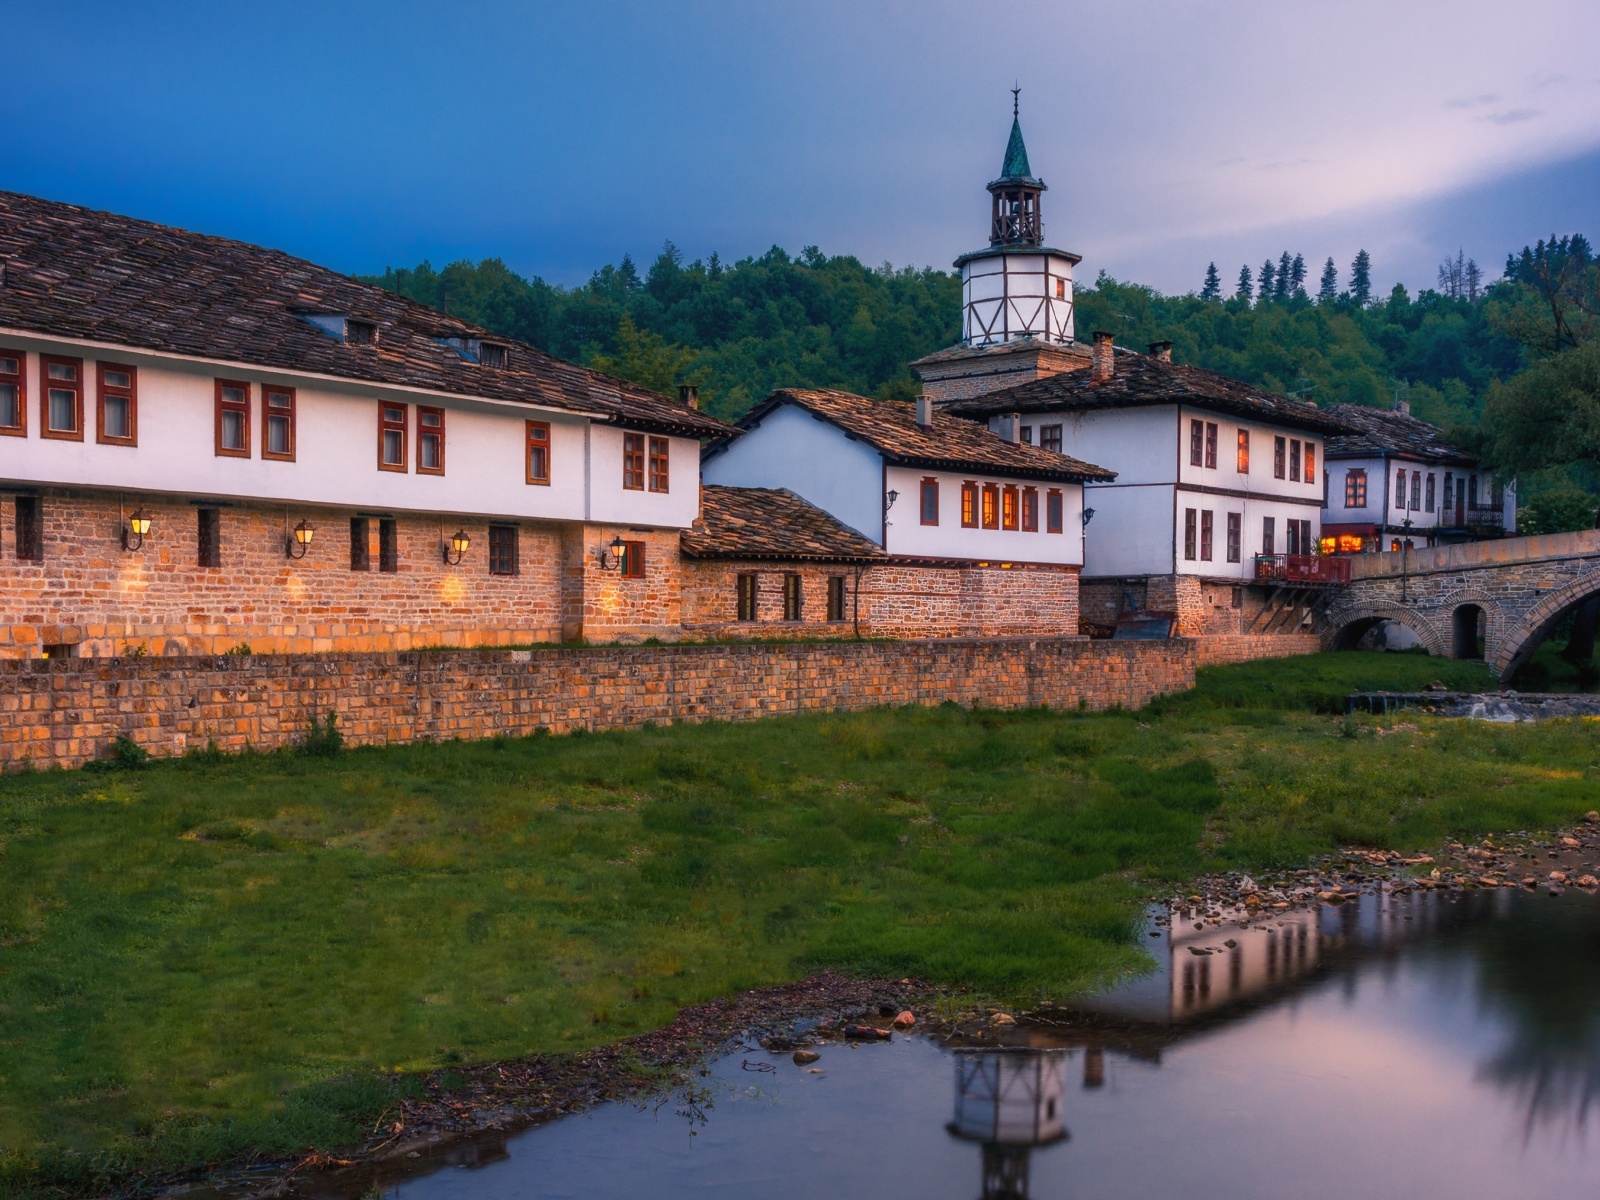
[1016,165]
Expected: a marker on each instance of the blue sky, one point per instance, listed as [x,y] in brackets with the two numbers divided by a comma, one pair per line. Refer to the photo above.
[560,136]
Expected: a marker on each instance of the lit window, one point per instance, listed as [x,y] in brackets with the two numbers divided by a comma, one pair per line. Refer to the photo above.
[63,397]
[277,423]
[633,462]
[1061,289]
[117,408]
[430,441]
[969,505]
[1311,462]
[233,418]
[658,464]
[991,506]
[13,394]
[1008,507]
[930,501]
[392,436]
[1244,452]
[538,452]
[1030,510]
[1355,487]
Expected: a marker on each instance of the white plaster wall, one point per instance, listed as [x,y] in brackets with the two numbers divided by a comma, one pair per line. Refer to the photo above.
[1259,480]
[336,451]
[907,535]
[1373,511]
[1253,510]
[813,459]
[1137,443]
[1025,285]
[1131,532]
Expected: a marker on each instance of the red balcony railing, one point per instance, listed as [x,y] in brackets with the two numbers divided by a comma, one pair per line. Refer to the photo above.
[1303,568]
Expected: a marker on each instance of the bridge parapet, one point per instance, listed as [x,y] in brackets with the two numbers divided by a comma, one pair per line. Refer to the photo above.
[1471,555]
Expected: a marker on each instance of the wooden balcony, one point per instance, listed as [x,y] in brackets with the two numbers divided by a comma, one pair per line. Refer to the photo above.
[1315,570]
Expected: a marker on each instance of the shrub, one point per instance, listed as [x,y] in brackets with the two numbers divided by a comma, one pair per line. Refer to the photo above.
[126,752]
[323,739]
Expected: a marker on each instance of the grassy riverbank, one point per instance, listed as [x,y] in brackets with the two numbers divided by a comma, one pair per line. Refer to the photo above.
[207,957]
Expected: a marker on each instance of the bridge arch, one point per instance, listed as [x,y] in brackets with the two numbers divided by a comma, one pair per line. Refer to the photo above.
[1343,628]
[1527,634]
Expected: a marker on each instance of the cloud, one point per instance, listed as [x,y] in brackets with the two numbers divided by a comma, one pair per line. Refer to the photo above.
[1514,116]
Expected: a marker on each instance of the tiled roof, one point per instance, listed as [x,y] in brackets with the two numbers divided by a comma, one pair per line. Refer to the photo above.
[1141,380]
[74,273]
[1388,431]
[740,522]
[890,427]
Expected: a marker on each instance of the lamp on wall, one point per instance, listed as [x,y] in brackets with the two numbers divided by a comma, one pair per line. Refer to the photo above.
[460,543]
[1088,515]
[889,498]
[298,542]
[618,550]
[133,535]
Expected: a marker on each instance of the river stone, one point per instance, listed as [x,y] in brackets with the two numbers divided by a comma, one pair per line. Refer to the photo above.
[805,1057]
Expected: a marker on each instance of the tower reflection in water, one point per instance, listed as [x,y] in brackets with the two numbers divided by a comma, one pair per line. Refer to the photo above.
[1009,1101]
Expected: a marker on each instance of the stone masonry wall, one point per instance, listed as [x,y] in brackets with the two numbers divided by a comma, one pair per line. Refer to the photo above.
[69,711]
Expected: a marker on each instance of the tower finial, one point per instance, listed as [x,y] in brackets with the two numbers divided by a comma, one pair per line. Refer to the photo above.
[1014,94]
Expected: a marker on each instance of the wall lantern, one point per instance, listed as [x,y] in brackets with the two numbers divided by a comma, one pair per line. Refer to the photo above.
[298,542]
[460,543]
[889,499]
[138,526]
[1088,515]
[618,551]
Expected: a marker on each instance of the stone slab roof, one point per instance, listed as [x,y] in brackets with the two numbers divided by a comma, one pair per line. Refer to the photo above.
[950,443]
[738,522]
[71,272]
[1380,431]
[1141,380]
[961,352]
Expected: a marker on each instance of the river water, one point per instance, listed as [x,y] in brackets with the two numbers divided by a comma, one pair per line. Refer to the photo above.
[1432,1045]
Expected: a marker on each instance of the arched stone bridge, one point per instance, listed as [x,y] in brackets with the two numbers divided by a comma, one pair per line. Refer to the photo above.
[1499,599]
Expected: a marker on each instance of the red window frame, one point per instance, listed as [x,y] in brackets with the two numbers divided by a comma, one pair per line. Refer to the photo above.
[536,452]
[929,501]
[387,425]
[1235,536]
[1054,506]
[633,462]
[1208,533]
[969,505]
[1243,460]
[1280,453]
[632,560]
[130,393]
[17,380]
[1190,533]
[240,406]
[271,412]
[48,385]
[425,432]
[1010,503]
[1030,510]
[660,463]
[1294,460]
[1311,462]
[1197,441]
[1355,487]
[991,506]
[1211,445]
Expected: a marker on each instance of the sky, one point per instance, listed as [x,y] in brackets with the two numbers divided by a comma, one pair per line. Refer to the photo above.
[559,137]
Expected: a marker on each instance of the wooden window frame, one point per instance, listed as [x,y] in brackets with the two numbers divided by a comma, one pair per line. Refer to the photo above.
[1416,492]
[969,505]
[836,598]
[633,467]
[1211,445]
[1055,505]
[269,390]
[129,393]
[1269,535]
[1294,460]
[746,590]
[1191,533]
[1030,510]
[402,427]
[1197,441]
[20,382]
[1208,534]
[1050,438]
[1311,462]
[928,500]
[536,436]
[1355,487]
[991,506]
[632,565]
[659,464]
[208,537]
[423,432]
[498,565]
[29,528]
[242,407]
[1242,454]
[793,597]
[1235,538]
[1429,492]
[46,386]
[360,544]
[1400,488]
[1280,457]
[388,546]
[1010,508]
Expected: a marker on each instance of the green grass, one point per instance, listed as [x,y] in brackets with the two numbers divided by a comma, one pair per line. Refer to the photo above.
[201,958]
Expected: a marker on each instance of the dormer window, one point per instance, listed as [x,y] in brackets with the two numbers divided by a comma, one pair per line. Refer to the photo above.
[493,354]
[485,354]
[360,333]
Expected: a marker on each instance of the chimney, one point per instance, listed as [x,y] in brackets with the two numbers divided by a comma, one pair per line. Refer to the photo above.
[1403,406]
[1011,427]
[1161,350]
[689,394]
[924,411]
[1101,361]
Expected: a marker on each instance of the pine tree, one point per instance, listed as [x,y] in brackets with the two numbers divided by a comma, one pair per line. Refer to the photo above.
[1328,290]
[1245,280]
[1264,282]
[1361,278]
[1280,285]
[1212,290]
[1297,277]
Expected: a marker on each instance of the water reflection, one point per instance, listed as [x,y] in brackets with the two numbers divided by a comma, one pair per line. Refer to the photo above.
[1009,1102]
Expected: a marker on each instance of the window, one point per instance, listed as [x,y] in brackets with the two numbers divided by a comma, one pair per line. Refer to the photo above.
[360,333]
[233,419]
[116,410]
[1030,510]
[632,560]
[1243,459]
[1050,438]
[658,464]
[1208,522]
[1472,491]
[389,545]
[392,436]
[1197,442]
[503,550]
[1027,435]
[1052,511]
[835,597]
[1400,489]
[1311,462]
[538,452]
[360,547]
[62,415]
[1416,490]
[1235,539]
[1190,530]
[277,423]
[1449,490]
[633,462]
[30,528]
[493,354]
[1279,457]
[791,597]
[1008,507]
[430,441]
[1355,487]
[1427,503]
[930,501]
[13,394]
[1211,444]
[1061,289]
[1292,541]
[1308,544]
[208,523]
[991,506]
[969,505]
[746,595]
[1269,536]
[1294,459]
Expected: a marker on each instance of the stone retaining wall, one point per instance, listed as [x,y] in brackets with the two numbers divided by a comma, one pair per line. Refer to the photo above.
[1214,651]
